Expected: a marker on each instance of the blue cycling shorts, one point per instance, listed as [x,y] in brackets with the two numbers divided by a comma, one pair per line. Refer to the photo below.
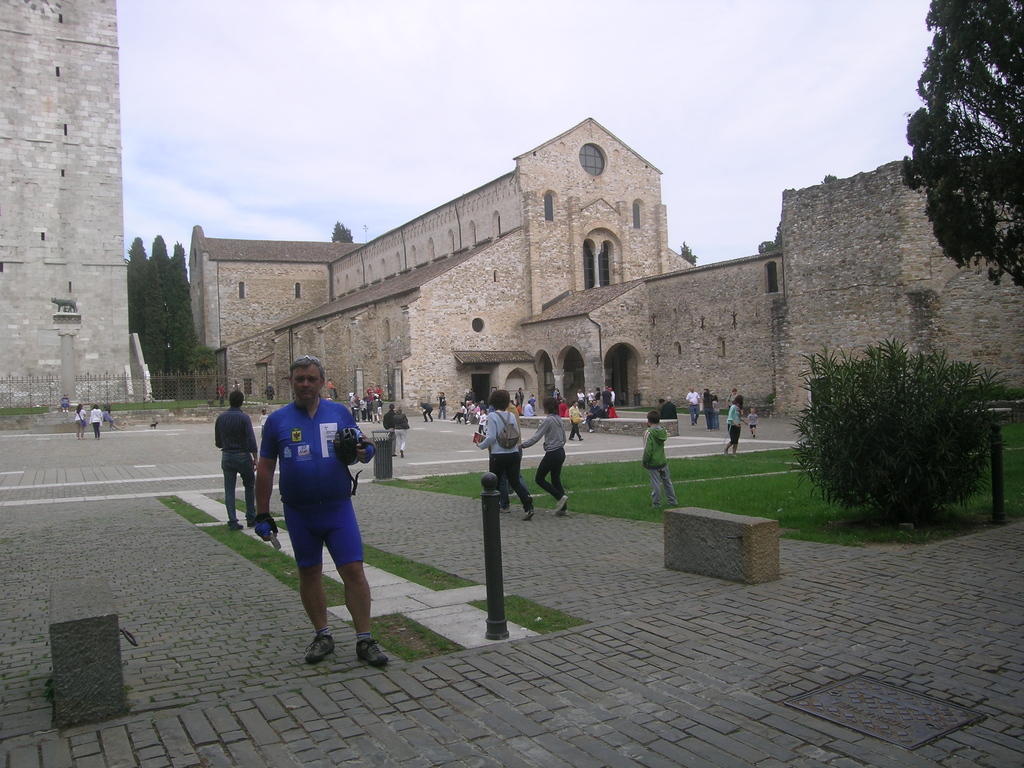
[335,527]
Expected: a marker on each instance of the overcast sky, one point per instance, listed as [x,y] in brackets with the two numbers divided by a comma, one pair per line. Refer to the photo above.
[271,119]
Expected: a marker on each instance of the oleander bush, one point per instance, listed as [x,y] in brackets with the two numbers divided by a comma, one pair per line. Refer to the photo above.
[904,436]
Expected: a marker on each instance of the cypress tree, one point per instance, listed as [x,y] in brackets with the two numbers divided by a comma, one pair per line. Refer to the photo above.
[181,332]
[137,265]
[154,342]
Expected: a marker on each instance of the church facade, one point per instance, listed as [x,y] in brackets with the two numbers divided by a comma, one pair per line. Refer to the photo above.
[559,275]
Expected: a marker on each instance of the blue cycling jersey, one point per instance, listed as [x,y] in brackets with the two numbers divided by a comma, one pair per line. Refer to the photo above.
[309,473]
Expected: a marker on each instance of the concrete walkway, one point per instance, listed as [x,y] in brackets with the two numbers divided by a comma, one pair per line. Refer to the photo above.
[673,669]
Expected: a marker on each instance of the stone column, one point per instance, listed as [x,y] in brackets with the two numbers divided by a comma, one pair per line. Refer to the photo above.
[68,360]
[559,376]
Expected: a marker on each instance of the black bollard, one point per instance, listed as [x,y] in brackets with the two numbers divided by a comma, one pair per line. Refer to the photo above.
[497,627]
[998,510]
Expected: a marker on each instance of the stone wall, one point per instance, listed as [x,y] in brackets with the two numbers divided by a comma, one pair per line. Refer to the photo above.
[60,188]
[485,213]
[269,294]
[862,266]
[713,327]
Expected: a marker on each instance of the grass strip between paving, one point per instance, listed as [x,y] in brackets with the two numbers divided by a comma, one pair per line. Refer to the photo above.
[399,634]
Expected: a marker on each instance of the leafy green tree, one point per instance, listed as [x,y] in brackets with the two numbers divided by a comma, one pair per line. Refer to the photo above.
[342,234]
[137,265]
[903,435]
[968,139]
[204,359]
[771,246]
[688,254]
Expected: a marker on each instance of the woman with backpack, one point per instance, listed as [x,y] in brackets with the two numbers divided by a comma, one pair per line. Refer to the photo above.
[552,431]
[503,440]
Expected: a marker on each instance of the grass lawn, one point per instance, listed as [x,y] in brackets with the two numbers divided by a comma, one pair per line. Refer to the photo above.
[761,484]
[399,634]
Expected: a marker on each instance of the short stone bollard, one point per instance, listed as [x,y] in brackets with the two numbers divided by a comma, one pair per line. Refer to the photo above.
[722,545]
[85,647]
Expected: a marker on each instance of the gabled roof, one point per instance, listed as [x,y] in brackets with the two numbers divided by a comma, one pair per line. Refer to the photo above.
[588,122]
[291,251]
[584,302]
[389,287]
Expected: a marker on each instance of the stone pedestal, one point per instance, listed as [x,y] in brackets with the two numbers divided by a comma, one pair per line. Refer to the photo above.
[68,360]
[85,646]
[721,545]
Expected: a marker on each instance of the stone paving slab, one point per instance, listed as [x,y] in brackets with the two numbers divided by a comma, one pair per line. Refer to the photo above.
[674,669]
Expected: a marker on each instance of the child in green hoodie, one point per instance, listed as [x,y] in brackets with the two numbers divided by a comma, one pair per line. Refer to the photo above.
[654,460]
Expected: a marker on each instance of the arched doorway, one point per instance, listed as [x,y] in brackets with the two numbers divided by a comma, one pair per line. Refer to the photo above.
[620,371]
[547,375]
[517,379]
[573,378]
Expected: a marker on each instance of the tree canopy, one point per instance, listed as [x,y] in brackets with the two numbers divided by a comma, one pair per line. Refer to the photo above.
[160,307]
[968,139]
[342,234]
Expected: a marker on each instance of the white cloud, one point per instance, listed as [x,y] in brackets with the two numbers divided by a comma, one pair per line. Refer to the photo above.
[273,120]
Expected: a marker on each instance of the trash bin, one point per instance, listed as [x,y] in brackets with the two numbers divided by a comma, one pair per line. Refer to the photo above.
[383,442]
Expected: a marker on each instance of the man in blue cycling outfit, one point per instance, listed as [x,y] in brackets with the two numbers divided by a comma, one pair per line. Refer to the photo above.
[316,490]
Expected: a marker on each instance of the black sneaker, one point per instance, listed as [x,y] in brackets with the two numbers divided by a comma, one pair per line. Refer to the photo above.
[370,652]
[319,648]
[528,514]
[235,526]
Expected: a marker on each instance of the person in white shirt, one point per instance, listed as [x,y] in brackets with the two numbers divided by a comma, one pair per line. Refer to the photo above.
[693,399]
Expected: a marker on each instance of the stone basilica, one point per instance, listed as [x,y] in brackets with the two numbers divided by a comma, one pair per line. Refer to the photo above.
[559,274]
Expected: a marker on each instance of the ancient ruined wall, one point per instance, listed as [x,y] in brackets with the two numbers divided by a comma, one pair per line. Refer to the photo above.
[713,327]
[862,266]
[60,187]
[978,321]
[488,212]
[598,207]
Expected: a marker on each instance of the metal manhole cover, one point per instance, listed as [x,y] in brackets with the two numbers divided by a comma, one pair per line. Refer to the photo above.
[884,711]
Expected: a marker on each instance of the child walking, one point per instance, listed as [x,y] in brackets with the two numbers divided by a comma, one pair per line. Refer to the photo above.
[752,421]
[654,460]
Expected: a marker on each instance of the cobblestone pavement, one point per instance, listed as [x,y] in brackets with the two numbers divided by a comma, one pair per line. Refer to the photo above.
[674,669]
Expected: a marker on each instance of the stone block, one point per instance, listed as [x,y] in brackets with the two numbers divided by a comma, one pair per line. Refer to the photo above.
[722,545]
[85,647]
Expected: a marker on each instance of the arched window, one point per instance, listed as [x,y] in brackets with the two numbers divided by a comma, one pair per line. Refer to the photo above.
[592,159]
[596,265]
[636,215]
[589,276]
[298,290]
[771,277]
[430,249]
[497,224]
[604,264]
[549,207]
[241,290]
[412,253]
[679,349]
[451,241]
[472,232]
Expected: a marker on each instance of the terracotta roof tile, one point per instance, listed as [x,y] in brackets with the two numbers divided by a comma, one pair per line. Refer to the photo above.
[583,302]
[220,249]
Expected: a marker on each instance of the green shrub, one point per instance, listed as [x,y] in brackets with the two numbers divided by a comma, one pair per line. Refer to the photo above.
[903,435]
